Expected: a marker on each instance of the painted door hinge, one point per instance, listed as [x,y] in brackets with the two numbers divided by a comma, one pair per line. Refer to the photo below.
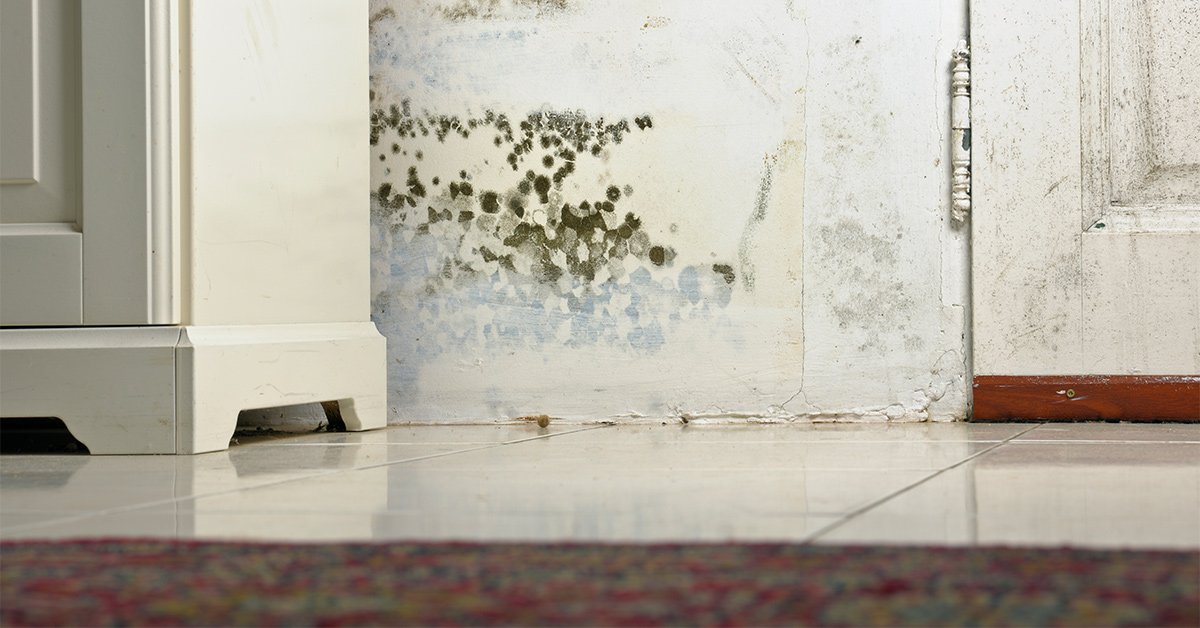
[960,128]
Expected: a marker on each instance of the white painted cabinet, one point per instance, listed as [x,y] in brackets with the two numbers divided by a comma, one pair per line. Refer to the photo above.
[184,219]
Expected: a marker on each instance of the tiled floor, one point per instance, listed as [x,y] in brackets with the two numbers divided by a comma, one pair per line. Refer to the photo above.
[1105,485]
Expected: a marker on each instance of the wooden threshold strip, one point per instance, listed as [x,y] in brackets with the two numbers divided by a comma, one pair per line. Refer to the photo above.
[1087,397]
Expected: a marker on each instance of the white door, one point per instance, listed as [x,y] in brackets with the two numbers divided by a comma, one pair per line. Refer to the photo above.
[1086,226]
[86,200]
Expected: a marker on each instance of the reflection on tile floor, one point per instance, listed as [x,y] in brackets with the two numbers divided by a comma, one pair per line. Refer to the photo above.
[1105,485]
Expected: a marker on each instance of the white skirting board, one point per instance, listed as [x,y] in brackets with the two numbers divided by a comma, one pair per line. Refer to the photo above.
[168,390]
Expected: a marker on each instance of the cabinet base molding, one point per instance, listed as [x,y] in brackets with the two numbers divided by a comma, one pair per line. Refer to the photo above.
[178,390]
[1087,397]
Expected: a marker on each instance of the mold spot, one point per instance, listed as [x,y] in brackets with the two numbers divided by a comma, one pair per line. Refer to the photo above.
[726,272]
[490,202]
[542,185]
[517,205]
[415,187]
[613,193]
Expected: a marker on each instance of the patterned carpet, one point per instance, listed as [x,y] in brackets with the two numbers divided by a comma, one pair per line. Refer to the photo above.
[201,583]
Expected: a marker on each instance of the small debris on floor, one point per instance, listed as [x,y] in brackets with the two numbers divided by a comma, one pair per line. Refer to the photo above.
[542,420]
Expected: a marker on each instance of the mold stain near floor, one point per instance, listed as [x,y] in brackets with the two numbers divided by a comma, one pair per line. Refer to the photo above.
[508,231]
[463,10]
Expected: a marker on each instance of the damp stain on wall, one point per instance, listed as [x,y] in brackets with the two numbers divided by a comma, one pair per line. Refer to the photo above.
[500,231]
[867,297]
[762,199]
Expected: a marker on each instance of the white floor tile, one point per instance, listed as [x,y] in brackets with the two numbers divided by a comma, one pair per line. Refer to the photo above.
[278,526]
[10,519]
[1085,494]
[78,484]
[95,483]
[606,491]
[1082,432]
[1081,484]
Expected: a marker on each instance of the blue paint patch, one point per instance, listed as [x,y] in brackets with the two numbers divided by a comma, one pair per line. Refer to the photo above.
[649,338]
[689,284]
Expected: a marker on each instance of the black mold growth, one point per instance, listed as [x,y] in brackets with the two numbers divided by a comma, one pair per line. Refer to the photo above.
[574,229]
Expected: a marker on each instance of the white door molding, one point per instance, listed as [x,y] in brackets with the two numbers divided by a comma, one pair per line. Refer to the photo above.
[130,178]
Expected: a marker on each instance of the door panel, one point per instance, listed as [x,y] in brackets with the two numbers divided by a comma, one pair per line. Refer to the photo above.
[18,60]
[40,267]
[1140,87]
[1086,231]
[41,275]
[90,195]
[39,116]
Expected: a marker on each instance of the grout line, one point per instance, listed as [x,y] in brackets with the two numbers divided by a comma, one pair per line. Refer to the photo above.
[1047,441]
[863,509]
[178,500]
[463,451]
[541,436]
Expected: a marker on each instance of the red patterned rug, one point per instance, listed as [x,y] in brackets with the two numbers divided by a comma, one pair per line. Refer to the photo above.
[144,583]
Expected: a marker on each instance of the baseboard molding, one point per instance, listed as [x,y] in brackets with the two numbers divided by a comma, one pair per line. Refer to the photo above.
[178,390]
[1087,397]
[221,370]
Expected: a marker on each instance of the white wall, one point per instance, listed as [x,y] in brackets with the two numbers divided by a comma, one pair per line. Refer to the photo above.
[792,254]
